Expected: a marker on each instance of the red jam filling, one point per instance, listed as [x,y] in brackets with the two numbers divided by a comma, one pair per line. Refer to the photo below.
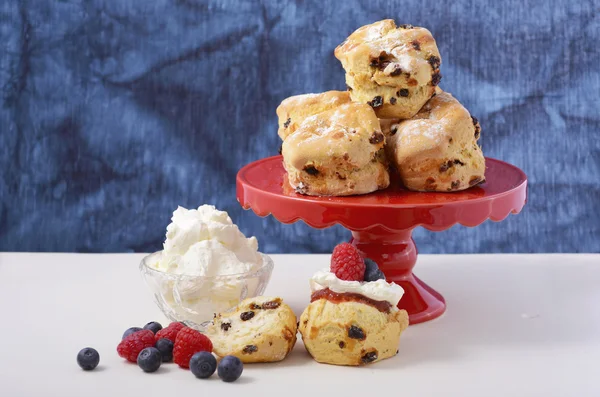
[326,293]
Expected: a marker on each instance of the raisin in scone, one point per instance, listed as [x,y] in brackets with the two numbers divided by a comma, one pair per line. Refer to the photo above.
[437,150]
[389,127]
[258,330]
[351,332]
[338,152]
[393,69]
[293,110]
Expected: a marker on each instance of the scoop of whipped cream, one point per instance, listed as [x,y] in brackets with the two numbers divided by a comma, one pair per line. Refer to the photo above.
[205,242]
[379,290]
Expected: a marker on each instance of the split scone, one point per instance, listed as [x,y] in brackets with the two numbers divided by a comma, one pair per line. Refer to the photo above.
[393,69]
[338,152]
[258,330]
[437,150]
[352,322]
[293,110]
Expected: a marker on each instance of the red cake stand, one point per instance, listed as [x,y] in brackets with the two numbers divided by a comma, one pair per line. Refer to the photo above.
[382,222]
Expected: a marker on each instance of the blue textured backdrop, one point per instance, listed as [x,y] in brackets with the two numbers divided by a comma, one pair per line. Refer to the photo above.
[116,111]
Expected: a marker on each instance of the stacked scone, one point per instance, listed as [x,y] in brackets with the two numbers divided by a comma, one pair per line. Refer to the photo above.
[333,143]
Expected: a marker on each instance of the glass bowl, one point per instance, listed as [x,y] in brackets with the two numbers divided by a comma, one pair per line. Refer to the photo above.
[194,300]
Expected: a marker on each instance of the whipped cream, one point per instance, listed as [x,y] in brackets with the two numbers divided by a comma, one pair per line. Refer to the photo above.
[379,290]
[205,242]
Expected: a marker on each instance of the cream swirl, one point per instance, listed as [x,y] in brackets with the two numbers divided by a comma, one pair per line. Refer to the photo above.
[205,242]
[379,290]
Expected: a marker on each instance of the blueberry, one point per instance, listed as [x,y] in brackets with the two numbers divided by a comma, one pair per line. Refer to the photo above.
[131,331]
[88,358]
[149,359]
[372,271]
[165,347]
[230,368]
[203,365]
[153,326]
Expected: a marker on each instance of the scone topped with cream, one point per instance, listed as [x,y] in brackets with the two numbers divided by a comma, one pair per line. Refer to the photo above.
[353,318]
[393,69]
[337,152]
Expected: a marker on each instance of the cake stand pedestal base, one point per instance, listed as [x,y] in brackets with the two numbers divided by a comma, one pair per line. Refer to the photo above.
[396,255]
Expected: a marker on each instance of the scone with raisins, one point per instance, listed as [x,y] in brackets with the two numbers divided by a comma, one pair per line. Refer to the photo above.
[338,152]
[437,150]
[353,331]
[393,69]
[258,330]
[295,109]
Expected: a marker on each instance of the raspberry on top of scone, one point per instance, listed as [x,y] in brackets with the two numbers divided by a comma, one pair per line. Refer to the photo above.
[350,274]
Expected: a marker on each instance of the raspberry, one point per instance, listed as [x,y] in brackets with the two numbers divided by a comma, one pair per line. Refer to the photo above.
[346,263]
[131,346]
[188,342]
[170,332]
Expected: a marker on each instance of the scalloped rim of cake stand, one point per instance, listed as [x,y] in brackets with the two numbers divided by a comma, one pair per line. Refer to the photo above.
[517,195]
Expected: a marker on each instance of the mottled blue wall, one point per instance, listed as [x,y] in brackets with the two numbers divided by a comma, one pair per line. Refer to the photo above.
[116,111]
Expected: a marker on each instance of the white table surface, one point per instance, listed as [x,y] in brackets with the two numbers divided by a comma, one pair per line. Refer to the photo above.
[516,325]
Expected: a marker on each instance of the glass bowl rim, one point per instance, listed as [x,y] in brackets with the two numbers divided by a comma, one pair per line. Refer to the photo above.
[267,267]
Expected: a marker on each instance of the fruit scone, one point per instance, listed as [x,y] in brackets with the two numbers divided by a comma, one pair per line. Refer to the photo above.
[294,110]
[393,69]
[338,152]
[258,330]
[353,318]
[437,150]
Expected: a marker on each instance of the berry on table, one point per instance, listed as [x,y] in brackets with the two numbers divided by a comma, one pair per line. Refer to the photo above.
[88,358]
[188,342]
[203,365]
[230,368]
[170,332]
[130,331]
[149,359]
[130,347]
[165,347]
[347,263]
[372,271]
[153,326]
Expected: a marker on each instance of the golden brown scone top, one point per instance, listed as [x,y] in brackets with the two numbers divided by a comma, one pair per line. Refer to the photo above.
[393,50]
[437,150]
[293,110]
[442,118]
[350,133]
